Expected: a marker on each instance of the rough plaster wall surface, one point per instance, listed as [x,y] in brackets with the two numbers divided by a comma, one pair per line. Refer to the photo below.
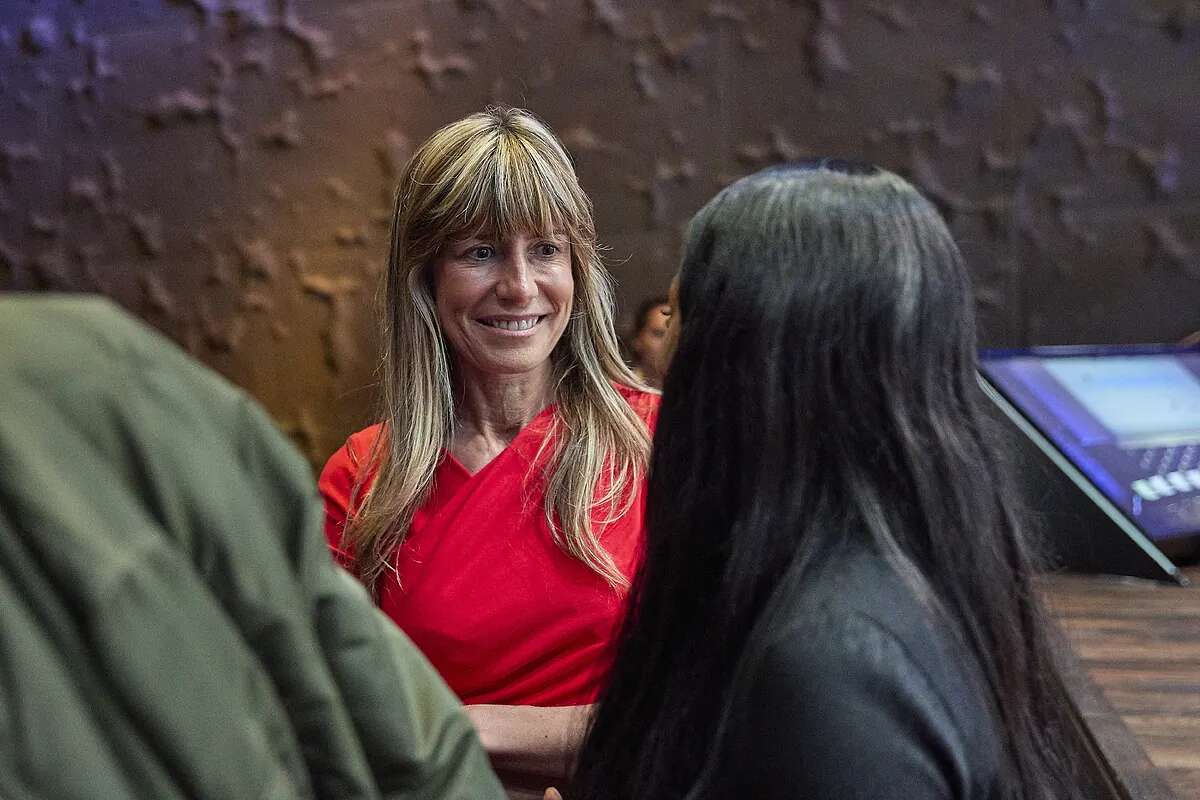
[224,167]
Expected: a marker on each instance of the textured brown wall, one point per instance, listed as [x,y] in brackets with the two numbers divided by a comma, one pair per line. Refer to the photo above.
[222,167]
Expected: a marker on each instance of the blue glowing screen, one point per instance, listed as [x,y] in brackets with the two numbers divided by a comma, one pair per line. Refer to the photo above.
[1127,417]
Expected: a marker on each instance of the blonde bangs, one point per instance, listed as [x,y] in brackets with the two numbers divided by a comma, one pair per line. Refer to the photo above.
[509,184]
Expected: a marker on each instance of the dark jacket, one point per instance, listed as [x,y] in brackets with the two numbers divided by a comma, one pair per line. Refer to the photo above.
[850,688]
[172,625]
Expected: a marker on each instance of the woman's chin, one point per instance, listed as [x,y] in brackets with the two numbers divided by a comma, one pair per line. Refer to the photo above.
[512,364]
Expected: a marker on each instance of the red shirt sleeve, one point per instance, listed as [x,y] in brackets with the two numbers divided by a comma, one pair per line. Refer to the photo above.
[336,485]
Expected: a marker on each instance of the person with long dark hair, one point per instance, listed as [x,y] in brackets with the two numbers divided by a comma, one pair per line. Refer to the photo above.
[835,599]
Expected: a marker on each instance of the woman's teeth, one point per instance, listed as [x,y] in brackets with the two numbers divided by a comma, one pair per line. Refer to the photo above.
[512,324]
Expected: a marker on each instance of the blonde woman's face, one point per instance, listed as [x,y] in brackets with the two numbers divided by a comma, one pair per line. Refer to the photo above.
[503,303]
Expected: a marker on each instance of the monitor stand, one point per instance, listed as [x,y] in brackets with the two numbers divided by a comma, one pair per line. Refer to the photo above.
[1079,529]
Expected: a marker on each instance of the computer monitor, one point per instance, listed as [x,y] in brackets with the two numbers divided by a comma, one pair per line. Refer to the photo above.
[1121,422]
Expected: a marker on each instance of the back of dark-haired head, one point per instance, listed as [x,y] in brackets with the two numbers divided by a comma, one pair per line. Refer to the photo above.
[824,384]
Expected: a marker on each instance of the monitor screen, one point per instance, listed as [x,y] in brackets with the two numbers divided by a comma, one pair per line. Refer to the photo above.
[1127,417]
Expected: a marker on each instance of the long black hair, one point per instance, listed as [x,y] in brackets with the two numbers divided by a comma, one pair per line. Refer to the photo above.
[824,381]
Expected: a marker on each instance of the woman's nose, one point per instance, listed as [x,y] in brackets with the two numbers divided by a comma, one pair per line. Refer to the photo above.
[516,284]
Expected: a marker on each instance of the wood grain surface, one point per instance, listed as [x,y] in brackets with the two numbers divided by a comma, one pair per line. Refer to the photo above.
[1136,648]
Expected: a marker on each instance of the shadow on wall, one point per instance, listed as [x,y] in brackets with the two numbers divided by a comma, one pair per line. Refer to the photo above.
[224,169]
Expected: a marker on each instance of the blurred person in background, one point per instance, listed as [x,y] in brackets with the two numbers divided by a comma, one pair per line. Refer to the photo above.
[648,343]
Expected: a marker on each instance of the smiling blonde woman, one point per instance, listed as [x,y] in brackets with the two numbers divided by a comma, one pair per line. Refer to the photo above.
[495,511]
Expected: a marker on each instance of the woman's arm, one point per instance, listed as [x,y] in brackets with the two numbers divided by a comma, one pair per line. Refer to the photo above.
[533,742]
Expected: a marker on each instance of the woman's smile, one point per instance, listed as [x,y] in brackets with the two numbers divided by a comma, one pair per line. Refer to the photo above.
[512,325]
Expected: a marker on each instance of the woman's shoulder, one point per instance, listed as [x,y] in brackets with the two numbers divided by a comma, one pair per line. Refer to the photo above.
[858,589]
[856,662]
[337,484]
[848,684]
[353,453]
[859,619]
[362,441]
[643,402]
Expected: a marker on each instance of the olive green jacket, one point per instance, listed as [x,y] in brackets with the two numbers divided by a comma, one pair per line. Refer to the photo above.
[171,623]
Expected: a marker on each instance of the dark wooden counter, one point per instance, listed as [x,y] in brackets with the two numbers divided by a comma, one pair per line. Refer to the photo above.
[1134,673]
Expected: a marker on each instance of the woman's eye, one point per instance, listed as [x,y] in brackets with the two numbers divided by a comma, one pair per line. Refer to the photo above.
[481,253]
[546,249]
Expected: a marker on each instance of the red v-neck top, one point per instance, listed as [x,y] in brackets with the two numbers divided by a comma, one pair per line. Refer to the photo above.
[502,613]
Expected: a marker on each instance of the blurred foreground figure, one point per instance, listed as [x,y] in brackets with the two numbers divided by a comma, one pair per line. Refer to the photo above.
[173,625]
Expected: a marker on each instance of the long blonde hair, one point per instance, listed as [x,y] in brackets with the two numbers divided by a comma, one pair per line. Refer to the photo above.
[502,171]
